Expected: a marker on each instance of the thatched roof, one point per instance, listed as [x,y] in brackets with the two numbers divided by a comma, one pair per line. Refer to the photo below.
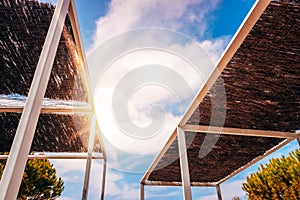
[262,83]
[24,25]
[54,132]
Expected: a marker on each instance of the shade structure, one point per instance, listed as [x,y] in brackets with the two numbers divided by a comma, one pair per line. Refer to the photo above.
[24,25]
[54,132]
[260,74]
[66,127]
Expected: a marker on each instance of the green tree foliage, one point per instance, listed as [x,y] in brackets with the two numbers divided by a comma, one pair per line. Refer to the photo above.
[39,180]
[279,179]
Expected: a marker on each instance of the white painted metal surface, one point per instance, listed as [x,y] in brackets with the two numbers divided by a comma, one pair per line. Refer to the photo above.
[219,194]
[235,43]
[184,165]
[89,159]
[238,131]
[13,172]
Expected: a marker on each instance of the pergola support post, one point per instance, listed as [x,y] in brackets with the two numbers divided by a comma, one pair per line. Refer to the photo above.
[219,193]
[298,136]
[89,159]
[13,172]
[103,179]
[184,166]
[142,191]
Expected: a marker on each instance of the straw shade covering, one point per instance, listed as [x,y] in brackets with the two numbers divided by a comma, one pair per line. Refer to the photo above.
[24,25]
[262,84]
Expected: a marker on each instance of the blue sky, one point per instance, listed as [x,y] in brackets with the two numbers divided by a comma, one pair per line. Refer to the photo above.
[212,24]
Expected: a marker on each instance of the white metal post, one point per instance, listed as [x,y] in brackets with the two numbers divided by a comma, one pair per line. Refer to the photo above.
[184,165]
[103,178]
[219,194]
[142,191]
[89,159]
[13,172]
[298,136]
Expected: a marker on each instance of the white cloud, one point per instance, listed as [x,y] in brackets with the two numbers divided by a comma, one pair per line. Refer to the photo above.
[214,48]
[65,165]
[163,192]
[72,173]
[124,15]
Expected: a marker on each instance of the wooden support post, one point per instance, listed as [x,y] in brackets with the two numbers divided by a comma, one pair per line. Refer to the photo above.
[13,172]
[184,165]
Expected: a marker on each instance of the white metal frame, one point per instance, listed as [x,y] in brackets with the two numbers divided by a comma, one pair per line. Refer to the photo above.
[219,193]
[16,160]
[237,40]
[59,156]
[184,165]
[67,109]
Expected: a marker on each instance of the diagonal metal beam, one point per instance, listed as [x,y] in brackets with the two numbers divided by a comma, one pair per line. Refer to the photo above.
[158,157]
[235,43]
[13,172]
[79,45]
[255,160]
[238,131]
[69,109]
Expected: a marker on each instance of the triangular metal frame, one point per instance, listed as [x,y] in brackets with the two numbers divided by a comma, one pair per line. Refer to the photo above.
[19,153]
[248,23]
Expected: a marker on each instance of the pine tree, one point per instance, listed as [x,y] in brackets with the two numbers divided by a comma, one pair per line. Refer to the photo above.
[39,180]
[279,179]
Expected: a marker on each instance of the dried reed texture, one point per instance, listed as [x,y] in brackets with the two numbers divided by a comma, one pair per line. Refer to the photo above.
[262,83]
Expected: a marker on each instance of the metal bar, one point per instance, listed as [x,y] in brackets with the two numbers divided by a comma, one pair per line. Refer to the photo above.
[298,136]
[142,191]
[89,159]
[235,43]
[13,172]
[158,157]
[238,131]
[80,49]
[102,149]
[184,165]
[219,194]
[175,183]
[255,160]
[57,156]
[49,110]
[103,179]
